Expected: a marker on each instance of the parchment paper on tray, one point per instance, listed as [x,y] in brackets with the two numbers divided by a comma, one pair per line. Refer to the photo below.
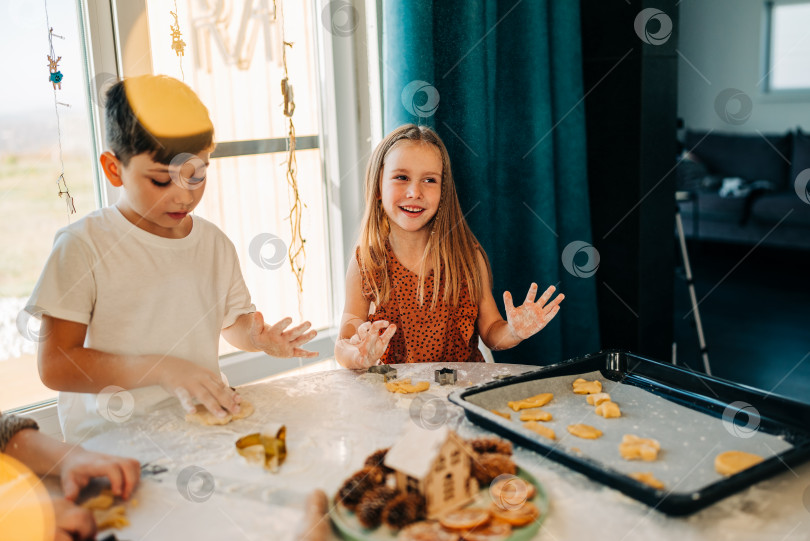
[689,439]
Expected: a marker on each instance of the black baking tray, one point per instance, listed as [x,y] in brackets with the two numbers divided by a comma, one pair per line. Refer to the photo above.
[777,415]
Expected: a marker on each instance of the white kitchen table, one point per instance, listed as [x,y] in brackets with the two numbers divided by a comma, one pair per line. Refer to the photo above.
[335,419]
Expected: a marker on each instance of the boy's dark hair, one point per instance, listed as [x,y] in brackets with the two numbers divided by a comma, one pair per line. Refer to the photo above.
[158,115]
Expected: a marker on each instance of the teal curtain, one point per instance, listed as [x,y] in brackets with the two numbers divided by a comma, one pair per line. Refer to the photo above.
[501,82]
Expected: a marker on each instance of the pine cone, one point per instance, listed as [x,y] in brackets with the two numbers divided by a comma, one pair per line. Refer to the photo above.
[377,458]
[358,484]
[404,509]
[488,466]
[369,510]
[491,445]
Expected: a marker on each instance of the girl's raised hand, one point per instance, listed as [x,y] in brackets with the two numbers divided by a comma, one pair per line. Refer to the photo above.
[365,348]
[530,317]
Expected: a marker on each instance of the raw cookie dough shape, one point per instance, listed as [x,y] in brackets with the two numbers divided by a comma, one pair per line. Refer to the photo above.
[404,386]
[204,417]
[537,401]
[733,462]
[504,415]
[582,386]
[543,430]
[598,398]
[586,432]
[632,448]
[648,479]
[105,513]
[608,410]
[535,415]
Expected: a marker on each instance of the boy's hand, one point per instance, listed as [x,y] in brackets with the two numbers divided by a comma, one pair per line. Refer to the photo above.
[277,342]
[188,381]
[365,348]
[72,522]
[80,466]
[529,318]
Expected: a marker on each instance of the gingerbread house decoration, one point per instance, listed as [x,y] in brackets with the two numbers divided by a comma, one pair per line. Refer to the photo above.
[437,465]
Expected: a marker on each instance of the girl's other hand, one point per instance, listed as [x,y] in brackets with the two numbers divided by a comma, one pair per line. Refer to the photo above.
[530,318]
[365,348]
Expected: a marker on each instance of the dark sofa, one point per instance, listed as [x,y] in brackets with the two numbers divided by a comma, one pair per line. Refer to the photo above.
[768,166]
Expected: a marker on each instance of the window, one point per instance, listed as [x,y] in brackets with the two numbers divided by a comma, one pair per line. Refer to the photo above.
[30,210]
[232,59]
[788,46]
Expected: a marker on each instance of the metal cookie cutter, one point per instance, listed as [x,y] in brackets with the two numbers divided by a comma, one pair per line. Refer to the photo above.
[269,447]
[388,372]
[445,376]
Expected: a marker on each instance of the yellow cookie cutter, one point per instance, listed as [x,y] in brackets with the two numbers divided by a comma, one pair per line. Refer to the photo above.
[268,446]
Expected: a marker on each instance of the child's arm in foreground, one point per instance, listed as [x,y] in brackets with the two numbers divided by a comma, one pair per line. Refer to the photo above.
[521,322]
[66,365]
[360,343]
[74,465]
[251,333]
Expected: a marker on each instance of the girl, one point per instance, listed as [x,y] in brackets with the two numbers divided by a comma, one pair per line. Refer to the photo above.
[419,289]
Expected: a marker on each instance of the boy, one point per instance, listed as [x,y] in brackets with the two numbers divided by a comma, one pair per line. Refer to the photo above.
[135,295]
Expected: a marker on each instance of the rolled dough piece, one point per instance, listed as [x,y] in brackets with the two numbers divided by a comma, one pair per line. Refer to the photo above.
[586,432]
[648,479]
[608,410]
[544,431]
[537,401]
[598,398]
[535,415]
[404,386]
[204,417]
[632,447]
[105,513]
[733,462]
[582,386]
[504,415]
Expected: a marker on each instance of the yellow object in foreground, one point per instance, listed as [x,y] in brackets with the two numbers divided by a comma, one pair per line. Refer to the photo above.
[26,511]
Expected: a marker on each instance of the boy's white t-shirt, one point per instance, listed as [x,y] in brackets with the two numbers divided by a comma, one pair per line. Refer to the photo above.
[139,293]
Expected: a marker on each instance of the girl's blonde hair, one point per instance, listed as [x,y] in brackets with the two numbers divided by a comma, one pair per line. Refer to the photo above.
[451,249]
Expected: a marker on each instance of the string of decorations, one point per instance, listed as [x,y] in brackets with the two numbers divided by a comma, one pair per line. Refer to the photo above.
[296,252]
[55,78]
[178,45]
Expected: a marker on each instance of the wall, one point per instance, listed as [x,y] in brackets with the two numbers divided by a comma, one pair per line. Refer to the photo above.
[723,42]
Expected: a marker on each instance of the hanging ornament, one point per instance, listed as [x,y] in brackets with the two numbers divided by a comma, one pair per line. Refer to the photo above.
[63,191]
[56,79]
[287,92]
[53,62]
[178,45]
[296,252]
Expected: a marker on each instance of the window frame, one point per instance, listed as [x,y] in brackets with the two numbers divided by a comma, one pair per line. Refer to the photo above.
[782,94]
[350,125]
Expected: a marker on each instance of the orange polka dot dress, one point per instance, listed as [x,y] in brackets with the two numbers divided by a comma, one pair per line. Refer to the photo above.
[445,334]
